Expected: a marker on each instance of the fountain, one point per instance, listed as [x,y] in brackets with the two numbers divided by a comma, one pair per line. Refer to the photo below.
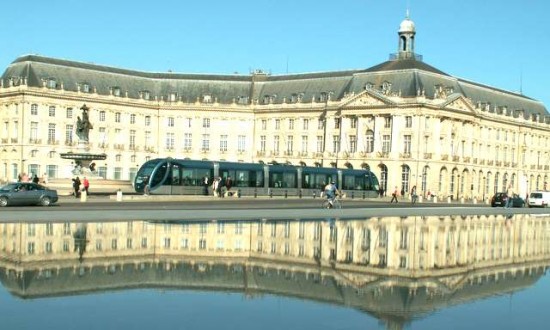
[83,159]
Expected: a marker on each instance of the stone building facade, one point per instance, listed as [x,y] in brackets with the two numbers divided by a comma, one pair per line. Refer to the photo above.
[410,123]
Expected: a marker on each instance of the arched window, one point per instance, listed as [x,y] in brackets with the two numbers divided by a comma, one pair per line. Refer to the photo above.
[369,142]
[405,178]
[425,178]
[383,177]
[365,166]
[505,182]
[488,182]
[348,165]
[497,179]
[442,176]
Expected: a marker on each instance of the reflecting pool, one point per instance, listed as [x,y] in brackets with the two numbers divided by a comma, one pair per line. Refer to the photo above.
[429,272]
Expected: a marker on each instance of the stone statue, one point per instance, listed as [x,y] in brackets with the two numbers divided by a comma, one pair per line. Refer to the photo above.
[83,125]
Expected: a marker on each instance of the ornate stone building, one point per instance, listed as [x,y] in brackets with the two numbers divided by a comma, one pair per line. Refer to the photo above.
[411,123]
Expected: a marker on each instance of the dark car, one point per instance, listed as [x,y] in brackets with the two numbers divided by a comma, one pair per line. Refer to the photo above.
[500,199]
[27,193]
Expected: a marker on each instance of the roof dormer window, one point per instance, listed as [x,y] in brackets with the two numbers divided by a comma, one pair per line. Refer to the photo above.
[172,97]
[85,87]
[146,95]
[115,91]
[207,98]
[52,83]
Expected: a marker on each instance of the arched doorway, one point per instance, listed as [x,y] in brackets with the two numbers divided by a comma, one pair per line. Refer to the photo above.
[424,183]
[442,186]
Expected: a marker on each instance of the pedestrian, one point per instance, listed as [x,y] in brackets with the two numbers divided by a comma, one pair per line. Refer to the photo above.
[76,187]
[86,185]
[205,183]
[510,194]
[215,186]
[35,179]
[228,183]
[394,195]
[413,194]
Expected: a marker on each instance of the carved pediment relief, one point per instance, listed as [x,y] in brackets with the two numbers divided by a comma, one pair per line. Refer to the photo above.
[459,103]
[367,98]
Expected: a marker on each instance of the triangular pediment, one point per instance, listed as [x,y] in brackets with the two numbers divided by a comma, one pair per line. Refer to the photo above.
[458,103]
[367,99]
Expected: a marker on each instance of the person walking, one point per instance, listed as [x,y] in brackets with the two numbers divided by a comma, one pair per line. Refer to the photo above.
[86,185]
[394,195]
[205,184]
[510,194]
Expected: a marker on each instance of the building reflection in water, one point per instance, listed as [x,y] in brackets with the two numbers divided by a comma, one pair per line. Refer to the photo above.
[394,268]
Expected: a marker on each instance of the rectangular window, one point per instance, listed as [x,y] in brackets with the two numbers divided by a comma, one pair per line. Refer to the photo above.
[34,109]
[187,141]
[291,124]
[34,131]
[147,120]
[117,117]
[132,139]
[118,173]
[51,133]
[170,121]
[335,143]
[337,122]
[223,143]
[290,144]
[407,144]
[102,115]
[387,122]
[386,143]
[147,139]
[170,140]
[320,124]
[352,143]
[205,142]
[69,113]
[276,143]
[408,121]
[132,118]
[306,124]
[241,143]
[277,124]
[319,143]
[353,122]
[304,143]
[68,134]
[264,124]
[206,122]
[51,111]
[262,143]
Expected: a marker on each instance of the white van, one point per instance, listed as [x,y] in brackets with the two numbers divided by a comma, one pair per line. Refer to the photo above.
[539,198]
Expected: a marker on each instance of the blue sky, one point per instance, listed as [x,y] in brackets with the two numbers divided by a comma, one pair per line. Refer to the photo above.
[500,43]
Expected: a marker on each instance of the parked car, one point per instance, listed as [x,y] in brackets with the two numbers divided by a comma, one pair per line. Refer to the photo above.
[539,199]
[27,193]
[500,199]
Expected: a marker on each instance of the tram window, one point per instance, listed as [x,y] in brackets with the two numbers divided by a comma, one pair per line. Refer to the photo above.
[194,176]
[282,180]
[176,176]
[353,182]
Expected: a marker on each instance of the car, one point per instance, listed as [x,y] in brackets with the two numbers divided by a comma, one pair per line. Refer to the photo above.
[539,198]
[27,193]
[500,199]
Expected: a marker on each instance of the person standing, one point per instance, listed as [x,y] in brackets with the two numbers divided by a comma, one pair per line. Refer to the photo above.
[205,183]
[394,195]
[510,194]
[86,185]
[76,187]
[228,184]
[413,195]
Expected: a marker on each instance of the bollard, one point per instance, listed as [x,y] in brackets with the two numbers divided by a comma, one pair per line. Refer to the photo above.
[363,195]
[119,196]
[352,195]
[314,195]
[435,199]
[475,200]
[238,193]
[449,200]
[461,200]
[270,193]
[286,193]
[83,196]
[300,193]
[255,193]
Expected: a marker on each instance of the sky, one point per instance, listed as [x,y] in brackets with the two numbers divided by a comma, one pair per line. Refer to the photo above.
[499,43]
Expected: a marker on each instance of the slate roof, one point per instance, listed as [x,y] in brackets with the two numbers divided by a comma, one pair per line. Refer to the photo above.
[407,77]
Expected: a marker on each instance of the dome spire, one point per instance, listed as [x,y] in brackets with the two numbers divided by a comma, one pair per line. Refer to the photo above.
[407,31]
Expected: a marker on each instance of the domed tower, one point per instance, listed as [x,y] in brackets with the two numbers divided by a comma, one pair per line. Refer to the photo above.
[406,39]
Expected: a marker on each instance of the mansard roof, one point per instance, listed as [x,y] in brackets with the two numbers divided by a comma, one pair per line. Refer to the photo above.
[407,77]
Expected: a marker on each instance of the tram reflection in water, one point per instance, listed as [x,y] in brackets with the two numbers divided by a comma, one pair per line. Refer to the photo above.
[168,176]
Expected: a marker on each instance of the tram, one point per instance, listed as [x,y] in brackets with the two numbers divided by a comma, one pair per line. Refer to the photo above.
[169,176]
